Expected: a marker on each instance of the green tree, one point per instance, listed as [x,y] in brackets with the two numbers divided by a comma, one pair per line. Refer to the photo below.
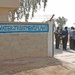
[26,6]
[61,21]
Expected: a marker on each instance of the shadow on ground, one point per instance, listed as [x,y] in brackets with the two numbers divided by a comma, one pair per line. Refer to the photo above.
[14,66]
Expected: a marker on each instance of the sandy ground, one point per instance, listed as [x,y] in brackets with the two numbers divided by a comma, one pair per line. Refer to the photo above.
[36,66]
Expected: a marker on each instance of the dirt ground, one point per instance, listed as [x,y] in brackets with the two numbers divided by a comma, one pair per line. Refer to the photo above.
[36,66]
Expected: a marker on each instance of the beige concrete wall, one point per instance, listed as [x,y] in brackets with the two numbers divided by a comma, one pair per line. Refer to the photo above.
[23,45]
[9,3]
[3,15]
[5,7]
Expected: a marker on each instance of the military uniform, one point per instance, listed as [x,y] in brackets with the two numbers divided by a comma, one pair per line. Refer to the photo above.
[57,38]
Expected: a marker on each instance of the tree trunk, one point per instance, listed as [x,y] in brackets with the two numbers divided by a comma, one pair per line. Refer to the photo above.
[13,16]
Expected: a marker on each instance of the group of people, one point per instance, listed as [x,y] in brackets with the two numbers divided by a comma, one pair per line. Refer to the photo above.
[63,35]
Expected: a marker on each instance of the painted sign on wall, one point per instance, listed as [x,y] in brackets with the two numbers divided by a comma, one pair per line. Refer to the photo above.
[18,28]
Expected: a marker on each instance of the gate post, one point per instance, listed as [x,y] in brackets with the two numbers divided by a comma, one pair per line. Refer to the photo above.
[51,39]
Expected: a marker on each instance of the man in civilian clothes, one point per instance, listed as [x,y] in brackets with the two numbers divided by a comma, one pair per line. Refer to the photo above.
[64,38]
[73,37]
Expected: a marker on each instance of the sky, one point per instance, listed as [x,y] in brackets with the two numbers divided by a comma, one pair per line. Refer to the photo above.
[60,8]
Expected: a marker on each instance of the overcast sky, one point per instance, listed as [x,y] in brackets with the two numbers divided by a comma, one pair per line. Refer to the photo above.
[61,8]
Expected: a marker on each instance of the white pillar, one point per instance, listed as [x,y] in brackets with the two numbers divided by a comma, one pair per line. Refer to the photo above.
[51,40]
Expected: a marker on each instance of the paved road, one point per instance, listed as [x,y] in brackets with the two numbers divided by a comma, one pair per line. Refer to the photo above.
[67,56]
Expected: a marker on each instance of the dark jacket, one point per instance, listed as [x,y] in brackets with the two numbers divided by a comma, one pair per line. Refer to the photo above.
[65,33]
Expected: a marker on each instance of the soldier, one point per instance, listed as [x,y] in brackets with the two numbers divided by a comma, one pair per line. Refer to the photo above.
[57,37]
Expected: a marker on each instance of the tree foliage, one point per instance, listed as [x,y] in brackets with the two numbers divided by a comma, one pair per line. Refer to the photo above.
[27,6]
[61,21]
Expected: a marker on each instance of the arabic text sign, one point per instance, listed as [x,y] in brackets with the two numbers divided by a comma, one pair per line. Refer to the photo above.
[17,28]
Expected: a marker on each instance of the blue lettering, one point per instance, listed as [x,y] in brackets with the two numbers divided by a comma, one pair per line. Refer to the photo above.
[24,28]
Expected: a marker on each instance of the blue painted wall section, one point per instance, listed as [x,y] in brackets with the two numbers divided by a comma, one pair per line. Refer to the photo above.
[20,28]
